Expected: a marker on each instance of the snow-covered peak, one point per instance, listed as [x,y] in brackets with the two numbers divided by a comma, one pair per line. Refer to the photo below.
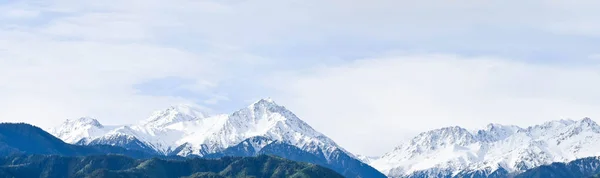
[265,106]
[551,128]
[264,119]
[442,137]
[73,130]
[267,114]
[83,121]
[494,132]
[265,102]
[587,122]
[554,124]
[175,114]
[496,146]
[187,130]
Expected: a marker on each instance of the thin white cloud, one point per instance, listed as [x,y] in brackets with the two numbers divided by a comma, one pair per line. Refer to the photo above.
[19,13]
[100,27]
[47,82]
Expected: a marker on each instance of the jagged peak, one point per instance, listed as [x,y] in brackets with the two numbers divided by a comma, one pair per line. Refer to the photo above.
[266,105]
[176,113]
[499,147]
[491,126]
[83,121]
[564,123]
[494,132]
[277,122]
[266,102]
[587,121]
[561,122]
[443,132]
[452,129]
[444,136]
[585,124]
[268,99]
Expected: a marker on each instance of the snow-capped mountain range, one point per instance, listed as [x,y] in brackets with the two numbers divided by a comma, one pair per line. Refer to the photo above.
[265,127]
[188,131]
[497,149]
[181,125]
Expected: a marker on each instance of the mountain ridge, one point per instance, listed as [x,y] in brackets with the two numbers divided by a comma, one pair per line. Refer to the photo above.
[21,138]
[452,150]
[191,133]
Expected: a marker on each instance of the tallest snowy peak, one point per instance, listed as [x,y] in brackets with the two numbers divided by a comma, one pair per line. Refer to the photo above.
[587,124]
[266,118]
[268,105]
[264,102]
[269,100]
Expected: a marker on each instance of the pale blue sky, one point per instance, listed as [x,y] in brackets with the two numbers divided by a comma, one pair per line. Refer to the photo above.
[374,69]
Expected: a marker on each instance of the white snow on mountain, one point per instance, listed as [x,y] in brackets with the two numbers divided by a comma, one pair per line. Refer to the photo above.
[201,133]
[175,114]
[513,148]
[366,159]
[186,130]
[73,131]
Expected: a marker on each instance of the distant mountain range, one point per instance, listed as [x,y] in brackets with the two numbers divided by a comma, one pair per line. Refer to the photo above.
[496,151]
[28,151]
[553,149]
[264,127]
[27,139]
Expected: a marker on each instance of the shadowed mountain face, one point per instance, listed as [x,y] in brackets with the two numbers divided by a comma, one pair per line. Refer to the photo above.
[585,167]
[28,151]
[28,139]
[121,166]
[340,162]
